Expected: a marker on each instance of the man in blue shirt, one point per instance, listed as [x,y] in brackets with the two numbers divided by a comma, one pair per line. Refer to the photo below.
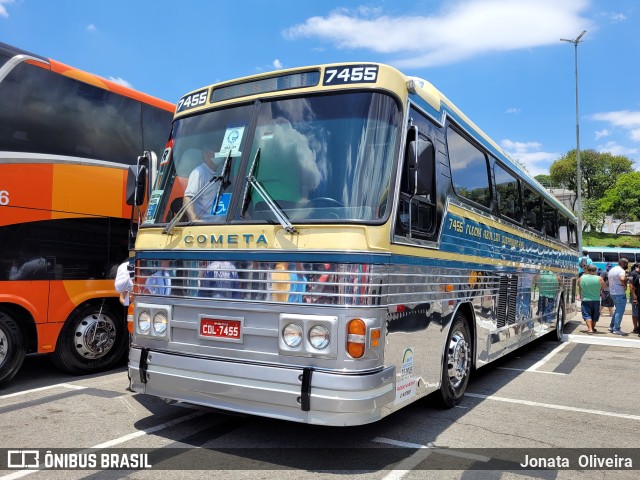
[583,262]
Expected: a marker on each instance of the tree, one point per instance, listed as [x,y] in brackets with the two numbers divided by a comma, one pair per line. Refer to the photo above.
[599,172]
[593,214]
[544,180]
[622,201]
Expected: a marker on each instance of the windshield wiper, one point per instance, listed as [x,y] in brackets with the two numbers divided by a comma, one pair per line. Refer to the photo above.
[222,178]
[275,208]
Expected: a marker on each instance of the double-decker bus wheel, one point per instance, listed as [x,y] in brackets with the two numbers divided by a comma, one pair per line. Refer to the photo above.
[93,339]
[12,348]
[457,362]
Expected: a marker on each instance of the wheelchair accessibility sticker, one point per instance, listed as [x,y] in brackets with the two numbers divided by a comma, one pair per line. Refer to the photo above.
[223,205]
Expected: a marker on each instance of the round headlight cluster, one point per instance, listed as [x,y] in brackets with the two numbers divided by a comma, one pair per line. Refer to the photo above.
[319,337]
[160,322]
[144,322]
[292,335]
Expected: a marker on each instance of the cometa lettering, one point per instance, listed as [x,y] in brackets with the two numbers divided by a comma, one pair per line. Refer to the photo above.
[231,239]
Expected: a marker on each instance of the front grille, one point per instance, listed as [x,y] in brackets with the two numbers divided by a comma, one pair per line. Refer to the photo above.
[319,283]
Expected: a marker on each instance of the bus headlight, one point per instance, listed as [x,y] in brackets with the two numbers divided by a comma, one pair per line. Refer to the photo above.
[160,322]
[144,322]
[292,335]
[319,337]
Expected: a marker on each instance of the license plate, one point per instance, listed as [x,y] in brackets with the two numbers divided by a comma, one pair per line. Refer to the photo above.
[220,328]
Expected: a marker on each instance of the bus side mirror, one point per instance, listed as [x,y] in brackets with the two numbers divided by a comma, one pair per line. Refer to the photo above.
[420,166]
[136,182]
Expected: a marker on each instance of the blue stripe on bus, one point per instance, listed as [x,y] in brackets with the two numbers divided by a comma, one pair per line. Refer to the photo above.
[327,257]
[268,256]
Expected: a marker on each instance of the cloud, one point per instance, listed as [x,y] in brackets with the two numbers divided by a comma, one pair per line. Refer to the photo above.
[120,81]
[91,28]
[616,149]
[622,118]
[613,17]
[430,40]
[277,64]
[3,8]
[529,154]
[512,110]
[626,119]
[602,133]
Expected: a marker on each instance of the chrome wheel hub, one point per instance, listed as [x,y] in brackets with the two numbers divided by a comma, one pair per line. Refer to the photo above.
[94,336]
[4,341]
[457,359]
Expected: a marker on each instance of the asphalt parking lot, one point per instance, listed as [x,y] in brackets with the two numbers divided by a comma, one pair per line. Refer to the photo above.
[546,399]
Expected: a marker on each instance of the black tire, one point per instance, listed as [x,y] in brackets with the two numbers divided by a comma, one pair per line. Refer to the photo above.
[561,317]
[93,339]
[12,348]
[457,361]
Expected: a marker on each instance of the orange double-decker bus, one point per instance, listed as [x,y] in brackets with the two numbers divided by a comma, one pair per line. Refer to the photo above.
[67,138]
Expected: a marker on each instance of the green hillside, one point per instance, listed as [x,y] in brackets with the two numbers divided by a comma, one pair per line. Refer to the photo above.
[594,239]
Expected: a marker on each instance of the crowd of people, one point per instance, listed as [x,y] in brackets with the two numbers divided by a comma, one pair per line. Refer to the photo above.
[610,288]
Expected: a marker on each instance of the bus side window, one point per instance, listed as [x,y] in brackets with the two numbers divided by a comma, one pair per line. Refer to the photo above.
[417,207]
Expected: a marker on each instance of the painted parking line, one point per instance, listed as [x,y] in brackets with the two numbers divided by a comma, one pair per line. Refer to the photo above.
[410,463]
[41,389]
[118,441]
[601,340]
[528,370]
[626,416]
[547,357]
[534,368]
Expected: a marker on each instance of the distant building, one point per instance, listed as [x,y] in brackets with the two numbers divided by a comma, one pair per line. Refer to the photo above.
[567,198]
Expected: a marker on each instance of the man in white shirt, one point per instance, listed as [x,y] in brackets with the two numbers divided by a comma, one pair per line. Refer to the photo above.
[123,283]
[202,208]
[618,289]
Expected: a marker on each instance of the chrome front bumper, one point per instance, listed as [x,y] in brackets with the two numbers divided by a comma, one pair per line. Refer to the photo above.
[296,394]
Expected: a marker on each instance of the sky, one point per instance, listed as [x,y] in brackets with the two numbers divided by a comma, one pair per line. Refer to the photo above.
[500,61]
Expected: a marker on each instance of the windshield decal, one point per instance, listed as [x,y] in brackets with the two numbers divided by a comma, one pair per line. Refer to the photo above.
[231,141]
[165,156]
[223,205]
[156,195]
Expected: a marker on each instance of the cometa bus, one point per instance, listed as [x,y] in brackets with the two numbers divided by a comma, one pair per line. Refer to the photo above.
[330,244]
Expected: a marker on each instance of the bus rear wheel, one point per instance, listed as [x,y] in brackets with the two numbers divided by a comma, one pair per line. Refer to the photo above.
[12,349]
[560,319]
[456,366]
[92,340]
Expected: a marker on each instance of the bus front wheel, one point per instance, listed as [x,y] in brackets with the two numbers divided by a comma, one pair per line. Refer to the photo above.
[12,349]
[456,366]
[92,340]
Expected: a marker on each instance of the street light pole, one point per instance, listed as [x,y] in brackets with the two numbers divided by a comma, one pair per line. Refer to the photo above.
[575,42]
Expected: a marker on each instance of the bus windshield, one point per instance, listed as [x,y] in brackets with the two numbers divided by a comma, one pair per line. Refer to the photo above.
[323,158]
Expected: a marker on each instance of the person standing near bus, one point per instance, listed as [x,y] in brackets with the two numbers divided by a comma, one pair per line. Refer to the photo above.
[618,289]
[123,283]
[583,262]
[634,290]
[589,287]
[606,300]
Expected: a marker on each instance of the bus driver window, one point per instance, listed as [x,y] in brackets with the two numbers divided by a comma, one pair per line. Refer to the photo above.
[417,194]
